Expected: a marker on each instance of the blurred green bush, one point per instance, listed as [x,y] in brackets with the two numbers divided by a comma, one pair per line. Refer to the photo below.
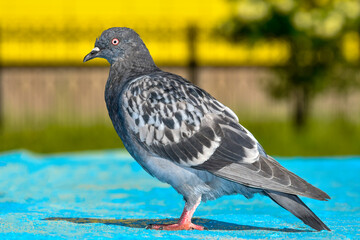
[323,38]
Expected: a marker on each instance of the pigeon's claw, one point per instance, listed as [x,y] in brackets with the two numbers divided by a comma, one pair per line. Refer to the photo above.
[184,222]
[176,226]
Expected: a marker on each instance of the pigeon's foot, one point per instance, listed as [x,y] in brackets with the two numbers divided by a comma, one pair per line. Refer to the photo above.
[176,226]
[184,222]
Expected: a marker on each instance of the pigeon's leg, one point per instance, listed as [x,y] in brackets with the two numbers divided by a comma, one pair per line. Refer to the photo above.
[184,222]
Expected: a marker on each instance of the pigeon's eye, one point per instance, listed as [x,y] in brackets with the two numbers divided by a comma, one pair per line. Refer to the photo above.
[115,41]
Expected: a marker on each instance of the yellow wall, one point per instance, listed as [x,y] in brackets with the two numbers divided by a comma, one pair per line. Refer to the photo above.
[62,32]
[49,32]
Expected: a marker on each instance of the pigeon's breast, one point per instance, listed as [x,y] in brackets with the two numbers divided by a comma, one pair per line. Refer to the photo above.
[114,100]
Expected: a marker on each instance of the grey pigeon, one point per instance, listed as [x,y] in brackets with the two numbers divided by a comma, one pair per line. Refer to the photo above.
[183,136]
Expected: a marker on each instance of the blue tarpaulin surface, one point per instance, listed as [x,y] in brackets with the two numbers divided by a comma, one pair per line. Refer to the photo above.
[106,195]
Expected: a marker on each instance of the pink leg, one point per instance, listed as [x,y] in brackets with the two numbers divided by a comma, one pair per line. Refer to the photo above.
[184,222]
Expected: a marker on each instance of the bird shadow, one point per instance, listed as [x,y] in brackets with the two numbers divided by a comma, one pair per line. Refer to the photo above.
[142,223]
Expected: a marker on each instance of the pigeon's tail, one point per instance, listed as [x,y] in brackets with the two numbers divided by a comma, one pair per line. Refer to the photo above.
[293,204]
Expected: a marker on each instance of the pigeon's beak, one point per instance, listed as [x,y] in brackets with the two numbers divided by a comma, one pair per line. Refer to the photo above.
[93,54]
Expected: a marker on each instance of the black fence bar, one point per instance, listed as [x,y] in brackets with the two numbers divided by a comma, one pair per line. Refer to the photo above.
[192,62]
[1,85]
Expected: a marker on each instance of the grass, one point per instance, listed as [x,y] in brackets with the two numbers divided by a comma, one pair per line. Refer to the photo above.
[61,138]
[318,138]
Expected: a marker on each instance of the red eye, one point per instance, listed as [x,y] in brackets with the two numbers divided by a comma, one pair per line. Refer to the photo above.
[115,41]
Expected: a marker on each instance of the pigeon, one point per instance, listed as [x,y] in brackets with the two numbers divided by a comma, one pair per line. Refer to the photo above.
[186,138]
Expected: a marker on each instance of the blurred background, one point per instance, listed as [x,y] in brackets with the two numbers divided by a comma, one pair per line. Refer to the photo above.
[289,69]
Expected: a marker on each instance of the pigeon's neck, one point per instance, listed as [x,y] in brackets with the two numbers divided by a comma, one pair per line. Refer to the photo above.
[136,63]
[123,71]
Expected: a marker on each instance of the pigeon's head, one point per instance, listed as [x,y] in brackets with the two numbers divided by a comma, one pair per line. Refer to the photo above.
[119,44]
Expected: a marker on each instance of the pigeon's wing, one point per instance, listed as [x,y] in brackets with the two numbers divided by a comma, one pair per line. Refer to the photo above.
[180,122]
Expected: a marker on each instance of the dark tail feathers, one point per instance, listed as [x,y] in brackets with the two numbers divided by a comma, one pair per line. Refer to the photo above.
[293,204]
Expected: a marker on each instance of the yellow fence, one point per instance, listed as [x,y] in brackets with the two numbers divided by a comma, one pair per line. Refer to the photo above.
[52,33]
[69,46]
[60,33]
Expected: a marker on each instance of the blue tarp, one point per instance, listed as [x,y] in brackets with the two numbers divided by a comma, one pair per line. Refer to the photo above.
[101,195]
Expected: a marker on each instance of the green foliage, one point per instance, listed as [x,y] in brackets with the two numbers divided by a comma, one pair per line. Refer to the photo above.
[314,32]
[318,138]
[61,138]
[317,20]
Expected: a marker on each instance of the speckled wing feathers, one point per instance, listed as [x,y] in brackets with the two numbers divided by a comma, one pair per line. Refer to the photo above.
[177,121]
